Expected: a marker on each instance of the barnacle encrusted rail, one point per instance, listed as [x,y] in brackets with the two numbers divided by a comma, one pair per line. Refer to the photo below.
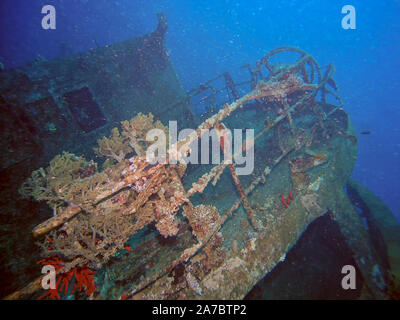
[95,212]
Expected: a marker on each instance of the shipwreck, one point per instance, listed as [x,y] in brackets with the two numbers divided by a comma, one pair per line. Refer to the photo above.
[114,226]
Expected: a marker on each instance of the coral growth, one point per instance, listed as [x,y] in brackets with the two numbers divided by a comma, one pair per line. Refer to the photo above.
[202,219]
[52,183]
[288,200]
[114,147]
[278,90]
[135,130]
[131,139]
[116,204]
[82,277]
[306,163]
[91,238]
[97,212]
[300,166]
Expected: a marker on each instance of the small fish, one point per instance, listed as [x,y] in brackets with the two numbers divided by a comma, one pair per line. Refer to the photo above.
[365,132]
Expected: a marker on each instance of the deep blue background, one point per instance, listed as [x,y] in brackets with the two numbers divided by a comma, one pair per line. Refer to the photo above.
[207,37]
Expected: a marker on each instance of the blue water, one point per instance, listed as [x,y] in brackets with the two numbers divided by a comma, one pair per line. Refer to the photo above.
[205,38]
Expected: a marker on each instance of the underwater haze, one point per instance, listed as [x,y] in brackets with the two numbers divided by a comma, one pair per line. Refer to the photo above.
[205,38]
[98,185]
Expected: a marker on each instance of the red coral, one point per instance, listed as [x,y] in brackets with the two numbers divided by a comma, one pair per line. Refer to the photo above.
[283,201]
[51,294]
[288,200]
[84,278]
[54,261]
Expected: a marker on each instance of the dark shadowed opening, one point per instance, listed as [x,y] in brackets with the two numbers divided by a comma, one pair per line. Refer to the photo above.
[85,110]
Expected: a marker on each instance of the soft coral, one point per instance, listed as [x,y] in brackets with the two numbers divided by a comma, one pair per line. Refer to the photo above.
[84,278]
